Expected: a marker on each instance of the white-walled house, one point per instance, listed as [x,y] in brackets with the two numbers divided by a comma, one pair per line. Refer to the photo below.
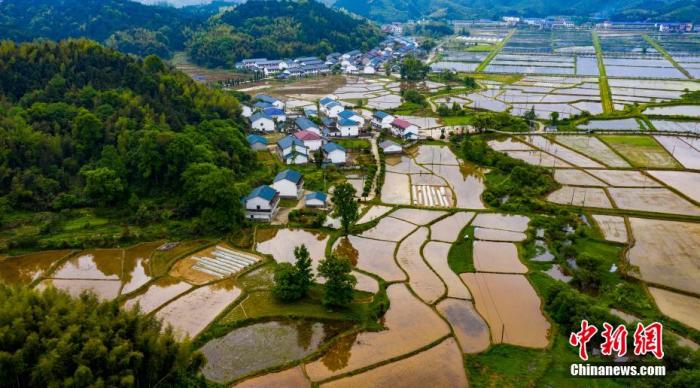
[289,183]
[261,204]
[369,69]
[312,140]
[382,120]
[352,115]
[389,147]
[270,100]
[348,128]
[316,199]
[258,143]
[262,122]
[246,111]
[276,114]
[334,153]
[304,124]
[404,129]
[292,150]
[332,108]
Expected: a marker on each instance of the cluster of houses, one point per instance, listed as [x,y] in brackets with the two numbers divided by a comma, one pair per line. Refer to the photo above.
[262,204]
[351,62]
[316,128]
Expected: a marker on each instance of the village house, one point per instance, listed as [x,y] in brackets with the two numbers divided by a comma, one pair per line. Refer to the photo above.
[277,115]
[350,115]
[312,140]
[304,124]
[334,153]
[262,122]
[316,199]
[261,204]
[310,112]
[348,128]
[246,111]
[257,143]
[404,129]
[330,107]
[292,150]
[389,147]
[270,100]
[381,120]
[289,183]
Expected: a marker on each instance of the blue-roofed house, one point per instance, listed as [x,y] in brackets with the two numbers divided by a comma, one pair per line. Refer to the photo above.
[310,112]
[277,114]
[261,204]
[348,128]
[289,183]
[304,124]
[262,105]
[261,122]
[352,115]
[334,153]
[270,100]
[316,199]
[381,120]
[258,143]
[325,101]
[332,109]
[292,150]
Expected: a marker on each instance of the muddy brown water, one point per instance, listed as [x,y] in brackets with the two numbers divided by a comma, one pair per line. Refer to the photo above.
[491,256]
[511,307]
[264,345]
[512,222]
[435,253]
[27,268]
[434,154]
[417,216]
[469,327]
[498,235]
[136,271]
[157,293]
[292,378]
[424,282]
[282,245]
[410,323]
[449,227]
[467,182]
[389,229]
[439,366]
[374,256]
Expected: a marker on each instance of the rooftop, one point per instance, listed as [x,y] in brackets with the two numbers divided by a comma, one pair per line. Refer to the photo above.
[252,139]
[330,147]
[290,175]
[265,192]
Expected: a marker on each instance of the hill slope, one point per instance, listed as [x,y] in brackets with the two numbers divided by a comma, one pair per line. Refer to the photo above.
[278,29]
[401,10]
[85,126]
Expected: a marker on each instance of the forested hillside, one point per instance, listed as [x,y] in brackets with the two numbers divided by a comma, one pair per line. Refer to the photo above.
[23,20]
[85,126]
[402,10]
[279,29]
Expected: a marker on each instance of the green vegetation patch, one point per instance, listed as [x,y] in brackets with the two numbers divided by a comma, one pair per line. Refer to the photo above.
[641,151]
[460,258]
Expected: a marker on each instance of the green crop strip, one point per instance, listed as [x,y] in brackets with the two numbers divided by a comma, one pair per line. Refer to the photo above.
[492,55]
[666,55]
[605,95]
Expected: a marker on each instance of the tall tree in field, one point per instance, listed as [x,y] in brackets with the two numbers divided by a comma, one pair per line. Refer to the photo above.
[413,69]
[339,281]
[345,205]
[303,266]
[292,282]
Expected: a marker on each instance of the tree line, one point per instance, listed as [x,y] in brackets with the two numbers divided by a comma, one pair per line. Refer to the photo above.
[83,125]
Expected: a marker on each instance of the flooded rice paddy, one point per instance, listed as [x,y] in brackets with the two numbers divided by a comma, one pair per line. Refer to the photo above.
[439,366]
[594,148]
[658,200]
[576,178]
[511,307]
[435,253]
[396,189]
[264,345]
[375,256]
[404,334]
[25,269]
[389,229]
[666,253]
[424,282]
[686,182]
[281,246]
[158,293]
[448,228]
[417,216]
[624,178]
[680,307]
[373,213]
[471,331]
[612,227]
[491,256]
[512,222]
[498,235]
[580,196]
[192,312]
[293,378]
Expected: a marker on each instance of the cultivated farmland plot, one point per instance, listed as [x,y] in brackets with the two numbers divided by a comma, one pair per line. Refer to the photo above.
[594,148]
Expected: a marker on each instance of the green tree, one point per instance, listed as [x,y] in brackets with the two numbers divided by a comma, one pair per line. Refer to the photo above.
[55,340]
[339,281]
[554,118]
[470,83]
[103,185]
[211,191]
[292,282]
[412,95]
[443,110]
[345,205]
[413,69]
